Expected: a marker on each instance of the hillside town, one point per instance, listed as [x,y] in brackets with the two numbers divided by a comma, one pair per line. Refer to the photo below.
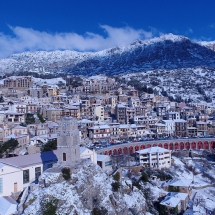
[144,138]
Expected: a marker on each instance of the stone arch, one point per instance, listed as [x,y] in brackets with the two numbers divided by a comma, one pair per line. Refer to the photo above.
[114,151]
[166,145]
[105,153]
[154,145]
[119,150]
[148,146]
[125,150]
[142,147]
[136,148]
[131,149]
[171,146]
[160,145]
[212,145]
[187,145]
[193,145]
[206,145]
[200,145]
[176,146]
[181,145]
[110,152]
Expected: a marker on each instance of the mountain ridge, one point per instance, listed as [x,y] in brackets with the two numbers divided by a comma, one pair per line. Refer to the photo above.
[164,52]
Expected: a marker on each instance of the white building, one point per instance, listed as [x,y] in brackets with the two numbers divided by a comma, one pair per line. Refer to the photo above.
[105,162]
[86,153]
[16,173]
[169,127]
[155,157]
[99,113]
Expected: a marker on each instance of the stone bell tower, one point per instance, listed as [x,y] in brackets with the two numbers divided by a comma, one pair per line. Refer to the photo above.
[68,141]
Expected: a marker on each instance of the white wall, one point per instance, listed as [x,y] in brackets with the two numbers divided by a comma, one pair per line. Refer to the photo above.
[11,175]
[89,154]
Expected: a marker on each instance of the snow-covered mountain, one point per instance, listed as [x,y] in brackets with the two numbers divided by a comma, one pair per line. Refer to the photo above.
[208,44]
[165,52]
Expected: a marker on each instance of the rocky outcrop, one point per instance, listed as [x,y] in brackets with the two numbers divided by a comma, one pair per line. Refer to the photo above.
[88,189]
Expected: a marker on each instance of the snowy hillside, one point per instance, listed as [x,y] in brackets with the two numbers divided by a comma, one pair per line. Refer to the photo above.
[89,187]
[193,84]
[166,52]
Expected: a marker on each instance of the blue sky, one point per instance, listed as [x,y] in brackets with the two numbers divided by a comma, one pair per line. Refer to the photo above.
[93,25]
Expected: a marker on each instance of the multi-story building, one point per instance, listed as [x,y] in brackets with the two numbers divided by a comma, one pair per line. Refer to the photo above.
[100,132]
[155,157]
[13,117]
[173,115]
[169,127]
[121,113]
[19,83]
[180,127]
[161,110]
[202,128]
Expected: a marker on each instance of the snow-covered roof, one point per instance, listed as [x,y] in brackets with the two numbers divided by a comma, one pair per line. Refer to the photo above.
[154,149]
[49,136]
[20,127]
[102,157]
[172,199]
[178,182]
[82,149]
[179,120]
[14,136]
[30,160]
[8,205]
[100,127]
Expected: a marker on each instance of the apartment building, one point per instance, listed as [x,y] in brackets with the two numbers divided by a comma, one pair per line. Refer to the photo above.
[18,83]
[100,132]
[180,127]
[155,157]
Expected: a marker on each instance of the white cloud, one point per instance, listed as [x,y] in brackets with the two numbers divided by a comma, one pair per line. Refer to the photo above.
[24,39]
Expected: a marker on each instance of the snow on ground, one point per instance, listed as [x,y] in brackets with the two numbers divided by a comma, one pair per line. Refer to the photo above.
[181,171]
[87,182]
[203,199]
[52,81]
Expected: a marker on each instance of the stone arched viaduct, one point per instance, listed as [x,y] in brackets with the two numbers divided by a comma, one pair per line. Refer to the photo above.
[177,144]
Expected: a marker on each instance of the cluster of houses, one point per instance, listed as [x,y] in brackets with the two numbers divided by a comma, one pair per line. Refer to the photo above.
[105,111]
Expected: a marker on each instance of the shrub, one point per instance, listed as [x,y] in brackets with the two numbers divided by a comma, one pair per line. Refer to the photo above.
[66,173]
[49,146]
[40,117]
[144,177]
[116,177]
[115,186]
[49,207]
[97,211]
[29,119]
[136,184]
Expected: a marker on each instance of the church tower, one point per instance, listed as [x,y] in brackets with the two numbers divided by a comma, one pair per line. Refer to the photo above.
[68,141]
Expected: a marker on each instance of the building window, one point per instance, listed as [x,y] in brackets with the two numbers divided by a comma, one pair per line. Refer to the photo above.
[25,176]
[1,185]
[64,156]
[37,172]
